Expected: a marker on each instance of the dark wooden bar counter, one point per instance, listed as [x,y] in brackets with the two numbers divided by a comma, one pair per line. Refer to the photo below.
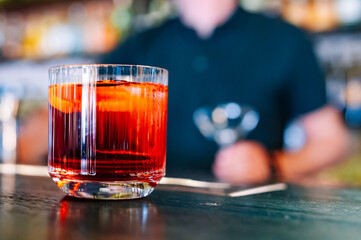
[34,208]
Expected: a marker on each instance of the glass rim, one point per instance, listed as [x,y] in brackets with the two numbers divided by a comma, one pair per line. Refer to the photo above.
[105,65]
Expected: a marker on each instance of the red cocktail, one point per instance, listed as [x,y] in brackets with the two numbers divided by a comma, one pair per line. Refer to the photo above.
[107,138]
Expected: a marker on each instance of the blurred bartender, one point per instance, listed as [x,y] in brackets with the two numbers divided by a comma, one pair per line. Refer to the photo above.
[216,53]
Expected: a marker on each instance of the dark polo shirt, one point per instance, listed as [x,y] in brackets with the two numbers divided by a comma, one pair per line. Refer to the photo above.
[251,59]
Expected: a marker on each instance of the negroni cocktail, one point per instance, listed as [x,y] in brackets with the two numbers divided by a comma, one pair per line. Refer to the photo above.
[107,136]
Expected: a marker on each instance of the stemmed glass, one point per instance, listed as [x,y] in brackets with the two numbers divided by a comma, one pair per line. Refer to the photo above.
[226,123]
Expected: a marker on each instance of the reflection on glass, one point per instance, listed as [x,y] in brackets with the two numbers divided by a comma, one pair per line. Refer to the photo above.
[226,123]
[106,220]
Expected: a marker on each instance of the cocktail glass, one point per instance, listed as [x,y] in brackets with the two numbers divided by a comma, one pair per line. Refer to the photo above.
[107,129]
[226,123]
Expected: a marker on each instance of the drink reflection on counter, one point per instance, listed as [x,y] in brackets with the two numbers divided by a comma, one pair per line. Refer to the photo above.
[125,219]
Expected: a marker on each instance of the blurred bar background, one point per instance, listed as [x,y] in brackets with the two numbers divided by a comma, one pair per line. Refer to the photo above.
[37,34]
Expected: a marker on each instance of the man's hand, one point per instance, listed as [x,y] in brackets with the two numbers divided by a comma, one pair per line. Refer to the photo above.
[242,163]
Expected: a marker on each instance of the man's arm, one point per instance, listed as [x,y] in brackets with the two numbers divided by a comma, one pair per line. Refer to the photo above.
[327,143]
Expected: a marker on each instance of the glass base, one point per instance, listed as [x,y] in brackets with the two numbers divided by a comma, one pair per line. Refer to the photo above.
[105,190]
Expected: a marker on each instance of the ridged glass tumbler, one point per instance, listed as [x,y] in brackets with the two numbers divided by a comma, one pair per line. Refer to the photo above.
[107,129]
